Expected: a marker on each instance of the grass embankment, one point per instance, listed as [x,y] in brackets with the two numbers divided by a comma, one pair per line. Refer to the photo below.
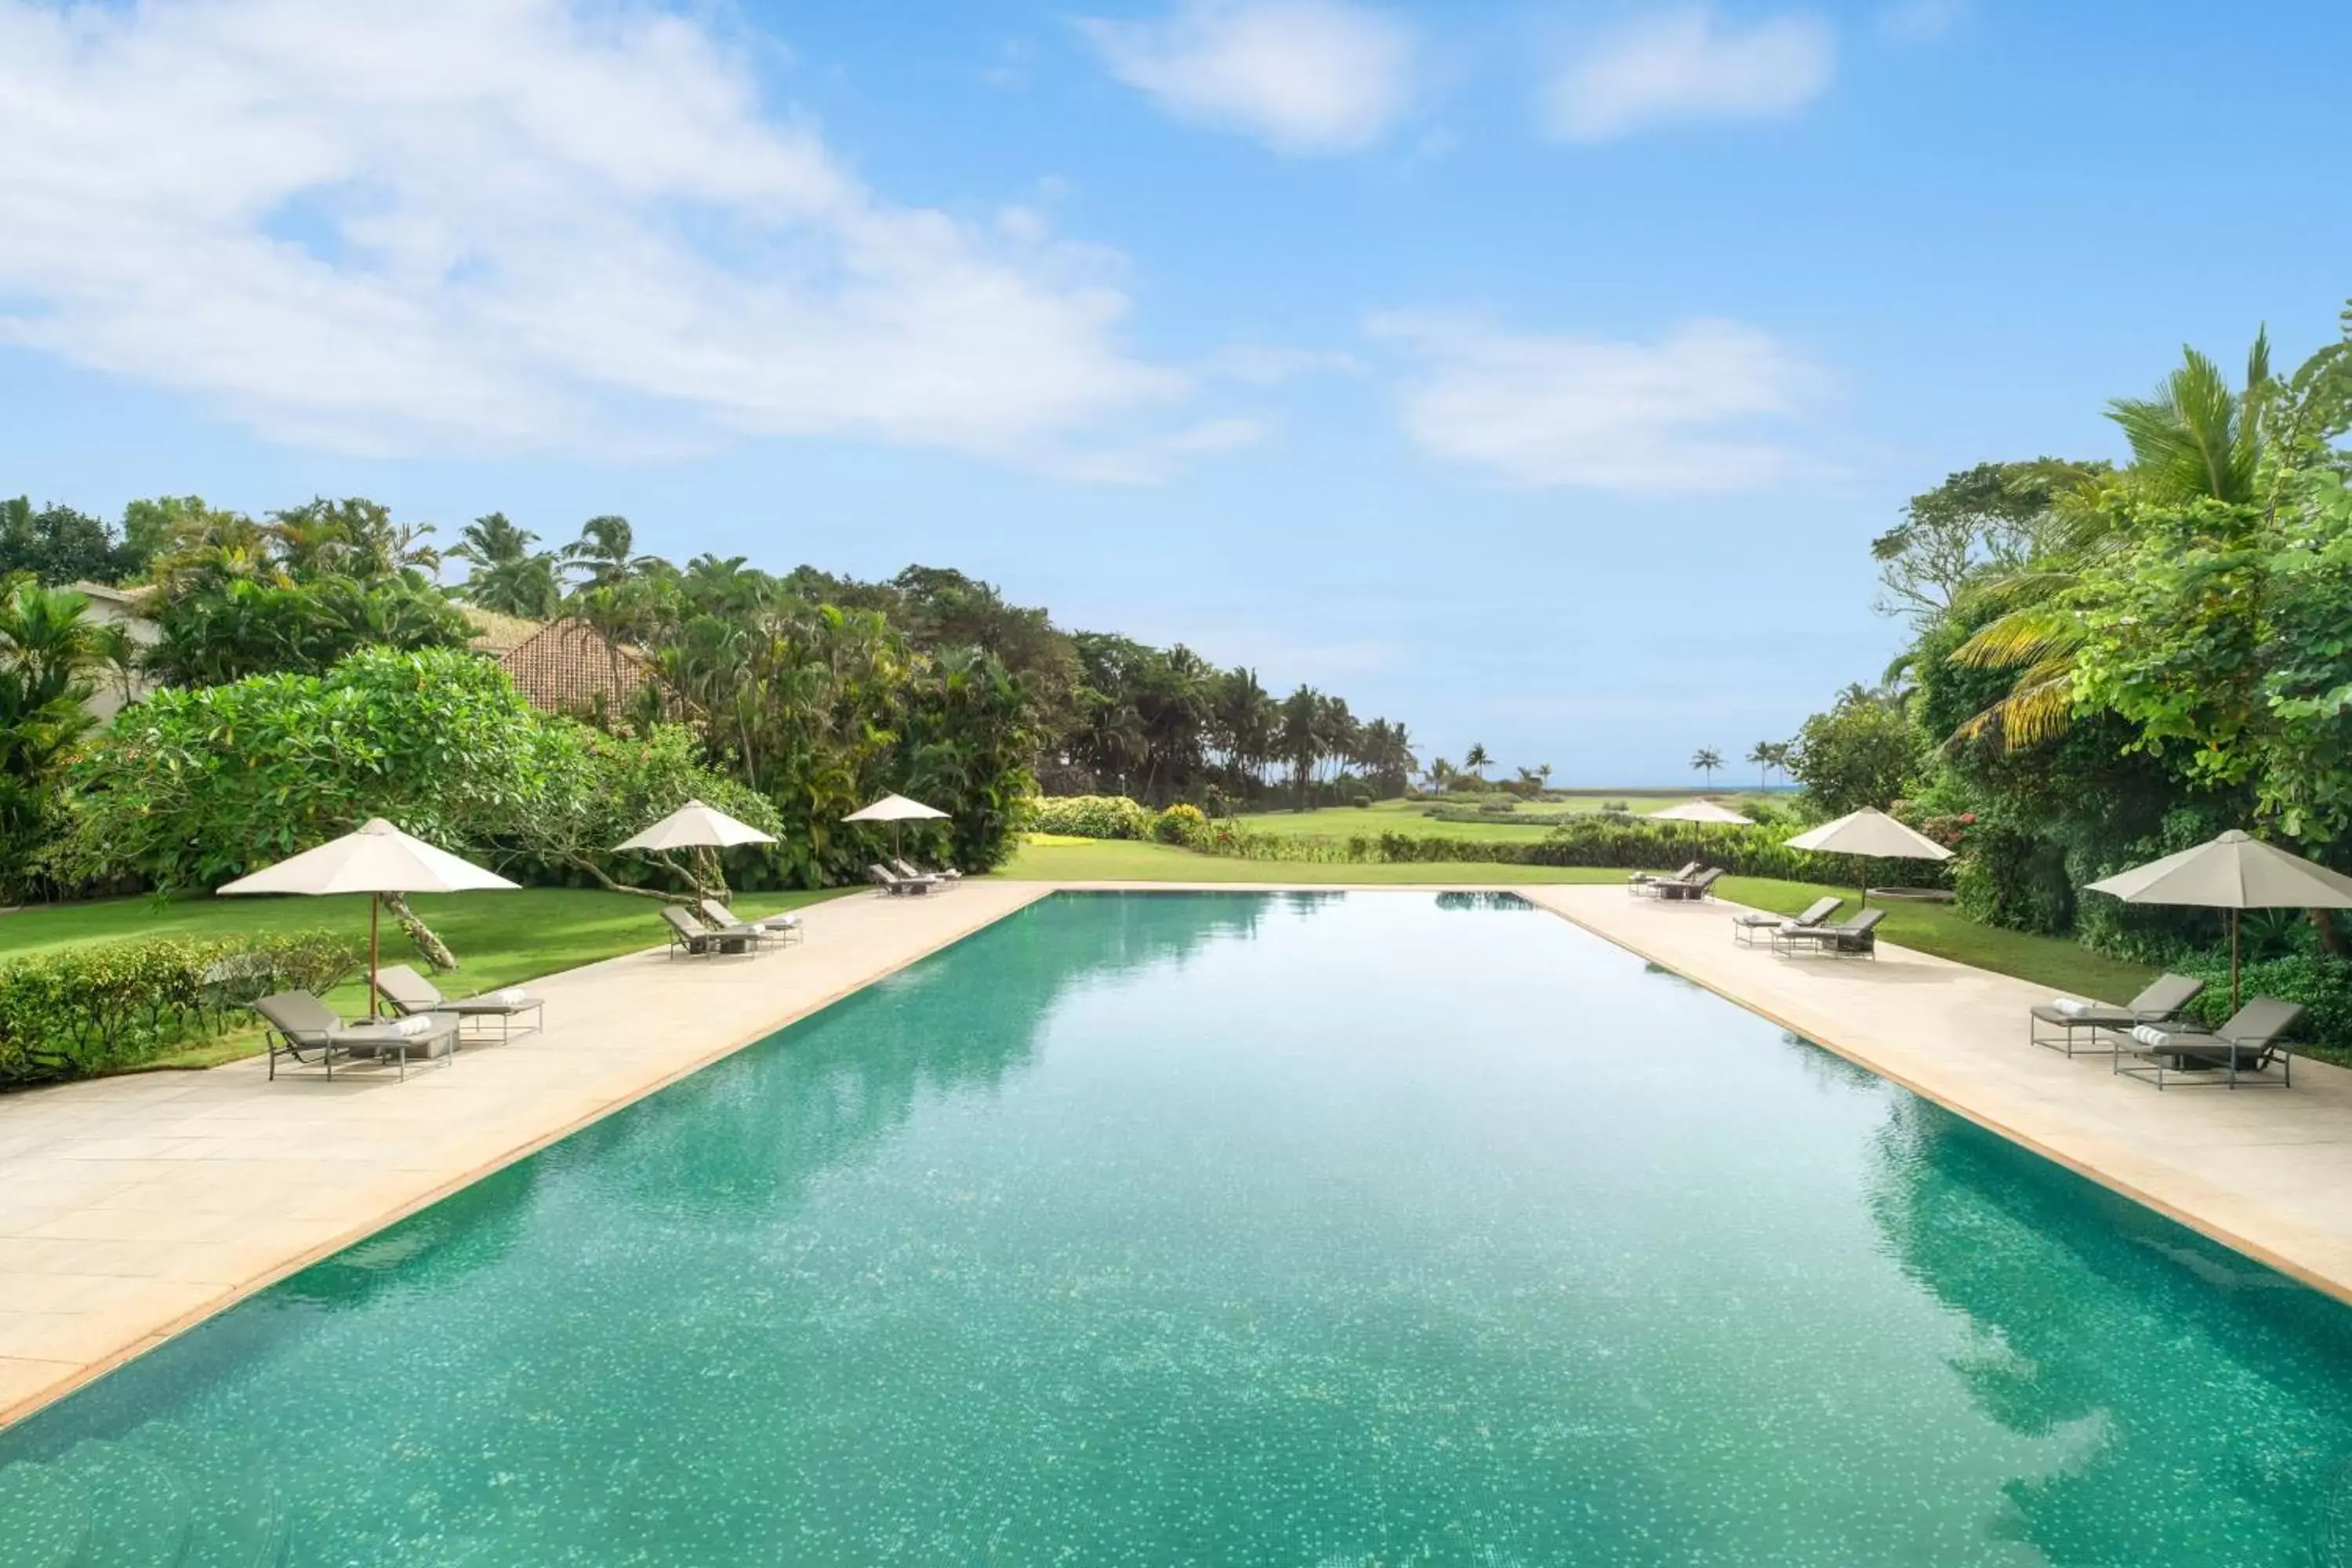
[1407,817]
[500,939]
[1938,929]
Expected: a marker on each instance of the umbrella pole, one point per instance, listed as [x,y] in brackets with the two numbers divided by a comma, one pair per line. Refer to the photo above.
[2233,961]
[376,902]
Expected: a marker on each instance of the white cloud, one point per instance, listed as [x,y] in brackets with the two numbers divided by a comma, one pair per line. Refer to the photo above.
[1678,416]
[1688,64]
[1302,76]
[517,225]
[1149,460]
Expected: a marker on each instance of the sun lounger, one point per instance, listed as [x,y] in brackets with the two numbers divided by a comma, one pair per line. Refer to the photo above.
[1745,928]
[1691,892]
[300,1022]
[688,936]
[1855,938]
[1644,882]
[945,878]
[892,884]
[412,995]
[2254,1037]
[2163,1001]
[778,928]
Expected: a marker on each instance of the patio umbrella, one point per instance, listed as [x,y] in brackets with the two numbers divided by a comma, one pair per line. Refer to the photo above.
[2233,872]
[695,826]
[1872,834]
[894,809]
[1701,811]
[378,859]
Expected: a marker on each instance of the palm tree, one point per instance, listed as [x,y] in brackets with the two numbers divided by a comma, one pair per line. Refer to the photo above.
[50,655]
[1767,755]
[1706,759]
[601,553]
[1300,741]
[1474,761]
[2196,439]
[508,576]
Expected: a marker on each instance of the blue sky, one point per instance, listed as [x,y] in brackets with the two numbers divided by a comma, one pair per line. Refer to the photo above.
[1536,375]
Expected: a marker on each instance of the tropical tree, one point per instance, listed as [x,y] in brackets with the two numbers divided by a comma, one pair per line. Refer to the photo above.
[1706,759]
[508,576]
[1767,755]
[1476,761]
[1301,739]
[52,655]
[604,553]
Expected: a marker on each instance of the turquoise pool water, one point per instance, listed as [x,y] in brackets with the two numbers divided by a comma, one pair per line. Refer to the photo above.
[1232,1228]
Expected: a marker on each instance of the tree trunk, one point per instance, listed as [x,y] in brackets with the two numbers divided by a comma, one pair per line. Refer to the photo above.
[2331,936]
[709,873]
[435,950]
[584,863]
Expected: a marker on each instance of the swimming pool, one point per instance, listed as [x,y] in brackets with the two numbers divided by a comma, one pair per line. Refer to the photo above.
[1317,1229]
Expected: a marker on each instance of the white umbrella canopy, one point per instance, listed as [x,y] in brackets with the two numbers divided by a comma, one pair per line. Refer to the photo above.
[697,825]
[894,809]
[1873,834]
[377,859]
[1701,811]
[2233,872]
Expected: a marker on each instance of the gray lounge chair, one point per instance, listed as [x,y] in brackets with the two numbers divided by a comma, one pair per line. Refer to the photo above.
[892,885]
[2254,1036]
[300,1022]
[1855,938]
[1641,882]
[412,996]
[688,936]
[1689,892]
[947,878]
[778,928]
[1746,927]
[2163,1000]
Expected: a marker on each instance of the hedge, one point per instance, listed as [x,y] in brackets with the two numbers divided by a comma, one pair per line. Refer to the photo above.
[113,1006]
[1635,844]
[1090,817]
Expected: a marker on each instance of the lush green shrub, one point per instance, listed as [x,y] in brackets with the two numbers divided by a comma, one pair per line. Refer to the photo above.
[1633,844]
[1181,824]
[113,1006]
[2005,878]
[243,627]
[1860,752]
[1361,801]
[2323,985]
[1091,817]
[192,787]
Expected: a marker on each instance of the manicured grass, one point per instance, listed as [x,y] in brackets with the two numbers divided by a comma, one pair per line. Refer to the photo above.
[1407,817]
[1938,929]
[500,939]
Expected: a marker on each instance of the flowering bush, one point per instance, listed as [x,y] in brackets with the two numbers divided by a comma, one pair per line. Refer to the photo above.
[1091,817]
[1181,824]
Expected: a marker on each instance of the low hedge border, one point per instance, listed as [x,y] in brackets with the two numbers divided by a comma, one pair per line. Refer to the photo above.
[113,1006]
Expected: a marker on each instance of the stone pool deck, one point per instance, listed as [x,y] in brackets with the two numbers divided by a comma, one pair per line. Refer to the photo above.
[133,1207]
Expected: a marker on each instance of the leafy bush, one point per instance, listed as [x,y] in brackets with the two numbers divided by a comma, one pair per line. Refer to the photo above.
[1091,817]
[1860,752]
[1634,844]
[1361,801]
[1181,824]
[2323,985]
[115,1005]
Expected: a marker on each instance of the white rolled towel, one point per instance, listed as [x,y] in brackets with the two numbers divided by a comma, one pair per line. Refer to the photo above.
[411,1026]
[509,997]
[2149,1034]
[2071,1006]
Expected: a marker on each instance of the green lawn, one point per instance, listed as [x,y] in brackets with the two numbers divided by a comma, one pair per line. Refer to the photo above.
[500,939]
[1406,817]
[1938,929]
